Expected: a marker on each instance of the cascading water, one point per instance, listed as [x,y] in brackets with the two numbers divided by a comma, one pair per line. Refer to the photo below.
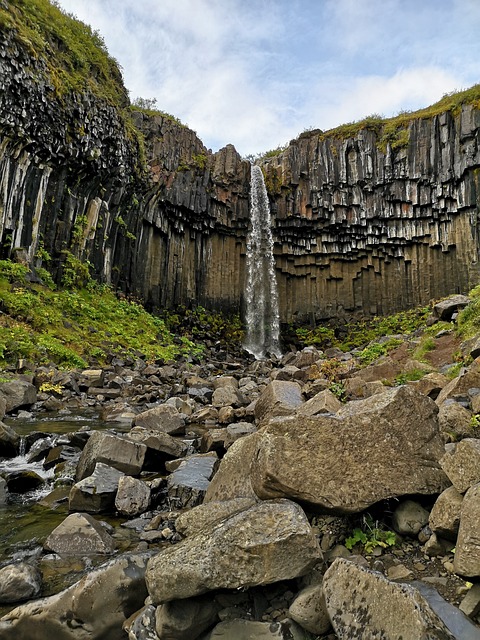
[261,297]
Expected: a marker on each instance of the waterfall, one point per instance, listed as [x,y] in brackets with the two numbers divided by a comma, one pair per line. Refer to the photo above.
[261,297]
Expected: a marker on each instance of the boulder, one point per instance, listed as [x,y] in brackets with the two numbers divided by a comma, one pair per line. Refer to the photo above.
[409,517]
[3,406]
[164,418]
[208,515]
[160,446]
[23,481]
[384,369]
[188,484]
[115,451]
[79,534]
[467,554]
[358,600]
[18,393]
[233,478]
[94,608]
[91,378]
[141,625]
[323,402]
[430,385]
[444,517]
[9,441]
[185,619]
[237,430]
[279,398]
[463,465]
[445,309]
[269,542]
[18,582]
[97,492]
[309,609]
[133,496]
[454,420]
[459,387]
[321,461]
[226,397]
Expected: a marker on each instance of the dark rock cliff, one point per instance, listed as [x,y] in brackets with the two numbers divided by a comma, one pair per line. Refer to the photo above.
[359,228]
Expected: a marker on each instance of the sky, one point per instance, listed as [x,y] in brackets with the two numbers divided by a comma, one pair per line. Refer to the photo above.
[257,73]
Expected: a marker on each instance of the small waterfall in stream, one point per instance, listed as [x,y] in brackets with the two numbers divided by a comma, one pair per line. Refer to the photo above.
[261,297]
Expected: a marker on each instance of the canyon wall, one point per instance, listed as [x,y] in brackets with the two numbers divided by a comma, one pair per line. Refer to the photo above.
[360,227]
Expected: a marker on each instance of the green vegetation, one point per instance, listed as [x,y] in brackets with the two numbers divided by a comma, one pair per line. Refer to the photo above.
[79,325]
[426,344]
[371,536]
[468,321]
[76,56]
[199,324]
[149,107]
[409,376]
[377,349]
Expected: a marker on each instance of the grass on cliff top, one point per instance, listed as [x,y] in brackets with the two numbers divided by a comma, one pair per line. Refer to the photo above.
[77,327]
[76,56]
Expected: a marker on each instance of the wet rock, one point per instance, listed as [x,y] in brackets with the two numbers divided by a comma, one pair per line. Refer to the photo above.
[269,542]
[23,480]
[164,418]
[467,555]
[309,609]
[279,398]
[116,451]
[463,465]
[133,496]
[358,598]
[79,534]
[3,491]
[18,393]
[322,460]
[444,517]
[91,608]
[9,441]
[409,517]
[18,582]
[188,484]
[95,493]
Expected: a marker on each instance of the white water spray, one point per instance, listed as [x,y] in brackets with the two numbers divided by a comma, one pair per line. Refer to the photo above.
[261,297]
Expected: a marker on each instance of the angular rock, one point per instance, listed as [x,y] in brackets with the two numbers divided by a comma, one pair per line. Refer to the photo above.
[279,398]
[9,441]
[207,515]
[269,542]
[444,517]
[470,605]
[94,608]
[226,397]
[322,460]
[185,619]
[463,465]
[357,601]
[233,478]
[91,378]
[467,554]
[309,609]
[445,309]
[79,534]
[18,582]
[430,385]
[188,484]
[95,493]
[458,388]
[115,451]
[237,430]
[133,496]
[160,446]
[323,402]
[141,625]
[23,481]
[384,369]
[164,418]
[454,420]
[409,517]
[18,393]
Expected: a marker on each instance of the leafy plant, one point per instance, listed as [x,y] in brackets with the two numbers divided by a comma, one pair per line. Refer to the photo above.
[377,349]
[49,387]
[371,536]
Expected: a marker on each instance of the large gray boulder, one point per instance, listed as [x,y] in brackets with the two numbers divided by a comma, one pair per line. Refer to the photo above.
[188,484]
[18,582]
[115,451]
[269,542]
[185,619]
[444,517]
[364,604]
[463,465]
[18,393]
[133,496]
[467,555]
[385,446]
[79,534]
[165,418]
[279,398]
[92,609]
[97,492]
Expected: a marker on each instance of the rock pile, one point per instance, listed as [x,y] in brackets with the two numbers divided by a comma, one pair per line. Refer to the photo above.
[256,504]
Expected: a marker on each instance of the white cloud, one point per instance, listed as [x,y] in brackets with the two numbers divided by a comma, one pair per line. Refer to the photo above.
[258,73]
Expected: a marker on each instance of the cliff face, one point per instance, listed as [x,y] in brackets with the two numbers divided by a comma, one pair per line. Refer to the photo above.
[371,231]
[359,227]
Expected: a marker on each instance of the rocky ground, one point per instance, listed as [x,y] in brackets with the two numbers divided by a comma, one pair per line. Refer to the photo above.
[301,497]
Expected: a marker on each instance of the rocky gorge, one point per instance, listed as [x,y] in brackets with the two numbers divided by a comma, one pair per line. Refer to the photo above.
[250,501]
